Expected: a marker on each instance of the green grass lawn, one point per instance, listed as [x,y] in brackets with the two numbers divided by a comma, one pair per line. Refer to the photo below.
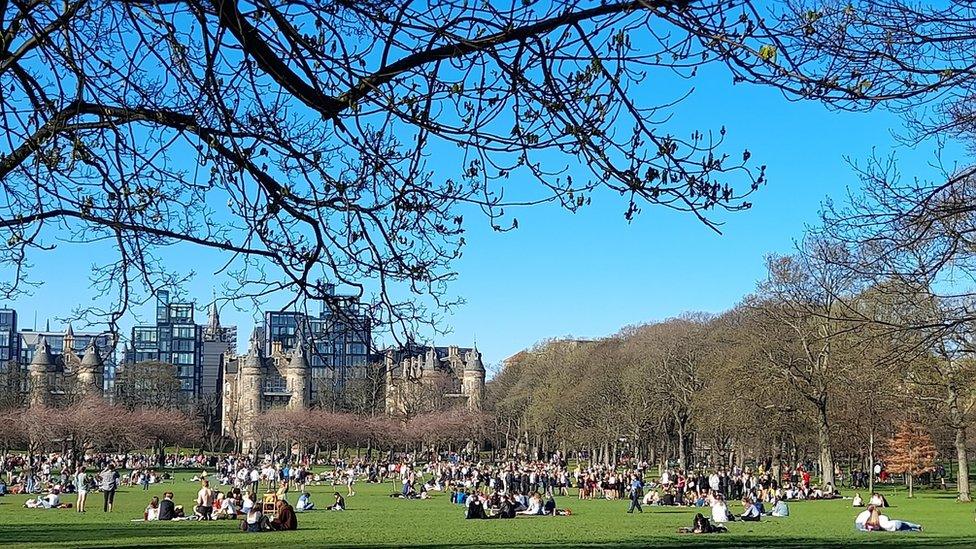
[375,520]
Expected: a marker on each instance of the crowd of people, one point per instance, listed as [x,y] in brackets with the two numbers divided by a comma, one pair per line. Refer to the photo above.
[238,487]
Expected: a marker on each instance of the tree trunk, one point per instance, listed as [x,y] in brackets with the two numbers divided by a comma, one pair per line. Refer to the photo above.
[963,465]
[826,455]
[682,445]
[911,485]
[871,461]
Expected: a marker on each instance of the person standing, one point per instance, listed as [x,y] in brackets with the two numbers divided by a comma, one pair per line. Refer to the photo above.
[108,484]
[81,484]
[636,493]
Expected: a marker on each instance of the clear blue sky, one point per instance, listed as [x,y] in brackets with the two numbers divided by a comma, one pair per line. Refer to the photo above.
[591,273]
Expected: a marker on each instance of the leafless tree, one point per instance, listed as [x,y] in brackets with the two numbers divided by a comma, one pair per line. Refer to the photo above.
[293,137]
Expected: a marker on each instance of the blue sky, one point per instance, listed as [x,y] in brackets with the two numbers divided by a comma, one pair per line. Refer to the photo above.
[589,274]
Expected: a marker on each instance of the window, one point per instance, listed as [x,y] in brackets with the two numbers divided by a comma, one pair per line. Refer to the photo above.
[186,384]
[180,312]
[183,345]
[184,371]
[184,332]
[183,358]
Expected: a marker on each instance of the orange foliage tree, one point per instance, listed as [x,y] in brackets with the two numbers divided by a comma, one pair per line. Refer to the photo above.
[911,452]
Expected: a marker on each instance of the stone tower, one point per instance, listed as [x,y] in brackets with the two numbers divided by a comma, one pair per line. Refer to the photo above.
[39,374]
[297,378]
[473,380]
[68,343]
[91,371]
[249,399]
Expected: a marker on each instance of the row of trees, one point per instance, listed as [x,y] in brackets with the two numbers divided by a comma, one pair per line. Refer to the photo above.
[92,424]
[870,321]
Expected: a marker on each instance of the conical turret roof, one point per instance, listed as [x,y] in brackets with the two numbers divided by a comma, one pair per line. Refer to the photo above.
[42,360]
[473,363]
[92,359]
[298,359]
[253,358]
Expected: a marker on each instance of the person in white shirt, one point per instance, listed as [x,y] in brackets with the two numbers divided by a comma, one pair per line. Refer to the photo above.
[52,500]
[858,502]
[247,502]
[720,511]
[535,506]
[861,519]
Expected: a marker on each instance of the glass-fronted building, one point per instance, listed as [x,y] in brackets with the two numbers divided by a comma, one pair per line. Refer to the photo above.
[174,339]
[338,339]
[9,342]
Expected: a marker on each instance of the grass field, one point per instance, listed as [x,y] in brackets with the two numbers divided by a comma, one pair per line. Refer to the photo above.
[375,520]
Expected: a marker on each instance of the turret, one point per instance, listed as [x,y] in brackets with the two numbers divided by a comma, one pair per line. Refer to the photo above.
[428,368]
[91,372]
[473,380]
[69,339]
[39,370]
[297,378]
[251,382]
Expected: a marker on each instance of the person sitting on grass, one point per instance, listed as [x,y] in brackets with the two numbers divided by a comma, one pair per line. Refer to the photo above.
[750,512]
[858,502]
[720,510]
[780,508]
[205,501]
[247,502]
[535,505]
[304,502]
[878,500]
[152,510]
[475,508]
[340,503]
[167,509]
[225,507]
[285,518]
[506,509]
[254,520]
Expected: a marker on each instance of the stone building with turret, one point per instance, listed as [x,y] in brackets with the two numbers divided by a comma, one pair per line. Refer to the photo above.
[57,378]
[423,379]
[255,383]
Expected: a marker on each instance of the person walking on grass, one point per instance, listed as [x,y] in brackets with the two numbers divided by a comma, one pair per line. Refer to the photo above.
[108,484]
[636,493]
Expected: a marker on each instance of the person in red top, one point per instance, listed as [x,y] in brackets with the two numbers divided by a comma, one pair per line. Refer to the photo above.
[806,479]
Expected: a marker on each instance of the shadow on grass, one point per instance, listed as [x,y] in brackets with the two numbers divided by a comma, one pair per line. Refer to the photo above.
[101,535]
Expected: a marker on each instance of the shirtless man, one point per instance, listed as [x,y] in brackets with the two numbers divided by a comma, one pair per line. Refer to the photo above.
[205,498]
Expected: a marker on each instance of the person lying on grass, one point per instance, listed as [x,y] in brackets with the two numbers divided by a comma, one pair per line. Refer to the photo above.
[50,501]
[701,525]
[871,520]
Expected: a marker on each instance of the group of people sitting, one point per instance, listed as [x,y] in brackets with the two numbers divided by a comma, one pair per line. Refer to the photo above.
[283,519]
[752,509]
[506,505]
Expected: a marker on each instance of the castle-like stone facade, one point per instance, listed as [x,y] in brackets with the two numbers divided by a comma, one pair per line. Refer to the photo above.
[431,378]
[255,383]
[58,378]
